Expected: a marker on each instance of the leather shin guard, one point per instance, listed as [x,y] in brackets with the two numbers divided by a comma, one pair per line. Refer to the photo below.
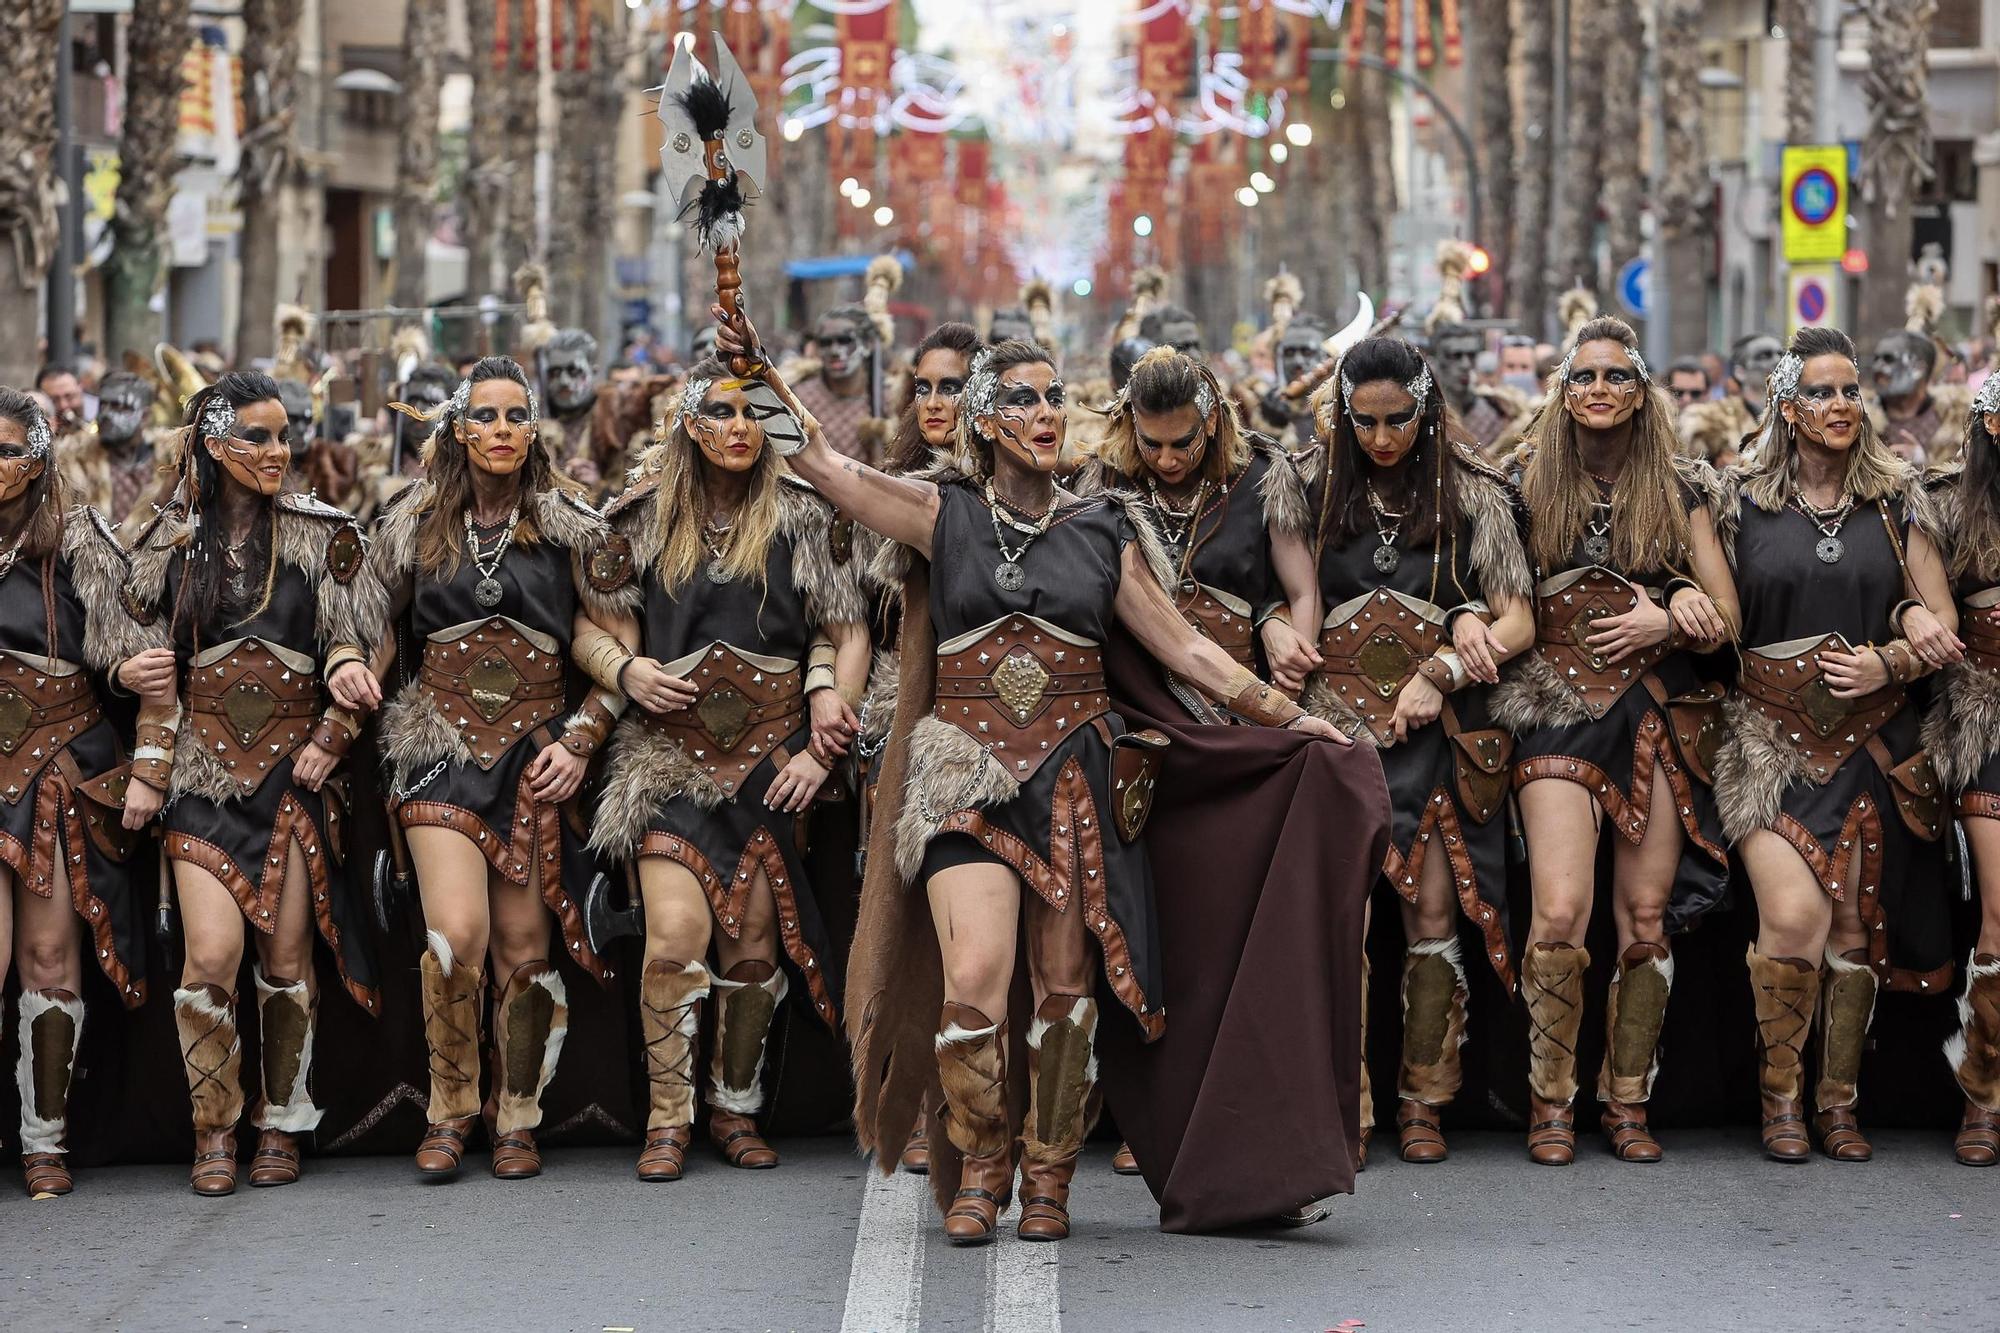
[670,996]
[529,1023]
[285,1012]
[1367,1084]
[1552,985]
[1434,997]
[51,1025]
[1633,1013]
[1062,1078]
[1786,993]
[1846,1007]
[972,1070]
[451,1031]
[746,1001]
[1974,1050]
[205,1017]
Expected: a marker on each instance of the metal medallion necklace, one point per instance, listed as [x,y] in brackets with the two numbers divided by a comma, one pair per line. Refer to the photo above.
[487,591]
[1177,526]
[1597,534]
[1008,573]
[714,537]
[1388,527]
[1829,548]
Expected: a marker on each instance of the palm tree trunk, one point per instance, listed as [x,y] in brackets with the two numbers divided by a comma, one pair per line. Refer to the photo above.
[1620,166]
[1895,154]
[1684,198]
[1488,38]
[1796,17]
[29,32]
[485,156]
[269,157]
[1572,254]
[1529,79]
[155,41]
[520,89]
[416,146]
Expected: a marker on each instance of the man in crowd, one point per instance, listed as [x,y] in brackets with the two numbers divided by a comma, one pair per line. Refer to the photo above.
[59,384]
[110,468]
[846,392]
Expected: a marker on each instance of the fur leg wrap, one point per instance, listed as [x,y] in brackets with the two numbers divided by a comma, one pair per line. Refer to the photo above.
[285,1013]
[1786,992]
[1062,1078]
[972,1070]
[1846,1007]
[746,1000]
[1434,998]
[1974,1050]
[451,1031]
[529,1022]
[1367,1084]
[1552,985]
[51,1025]
[670,996]
[1633,1013]
[212,1053]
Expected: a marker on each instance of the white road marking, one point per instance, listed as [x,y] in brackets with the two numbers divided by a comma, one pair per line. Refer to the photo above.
[885,1283]
[1023,1281]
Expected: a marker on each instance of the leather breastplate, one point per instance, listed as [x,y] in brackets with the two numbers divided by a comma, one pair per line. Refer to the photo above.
[1979,627]
[1372,645]
[40,713]
[251,710]
[1020,690]
[1567,608]
[1783,681]
[494,684]
[1228,627]
[744,711]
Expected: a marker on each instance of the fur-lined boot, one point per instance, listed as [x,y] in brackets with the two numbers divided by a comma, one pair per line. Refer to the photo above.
[972,1071]
[746,1002]
[1062,1103]
[452,995]
[51,1025]
[530,1019]
[1434,998]
[1785,992]
[1634,1011]
[670,996]
[285,1013]
[212,1054]
[1974,1054]
[1552,985]
[1846,1007]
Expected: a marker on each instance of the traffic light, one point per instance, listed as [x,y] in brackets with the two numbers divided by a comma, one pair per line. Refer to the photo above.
[1478,261]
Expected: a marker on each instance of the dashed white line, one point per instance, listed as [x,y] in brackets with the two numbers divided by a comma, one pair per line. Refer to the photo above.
[885,1283]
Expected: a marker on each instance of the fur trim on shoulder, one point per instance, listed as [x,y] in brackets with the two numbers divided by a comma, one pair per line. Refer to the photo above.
[1727,511]
[1531,695]
[568,520]
[415,734]
[1920,506]
[1698,476]
[392,552]
[154,552]
[1753,767]
[832,586]
[1151,546]
[878,702]
[1945,493]
[355,612]
[1287,509]
[1089,480]
[99,569]
[631,499]
[1498,555]
[646,767]
[949,772]
[1961,730]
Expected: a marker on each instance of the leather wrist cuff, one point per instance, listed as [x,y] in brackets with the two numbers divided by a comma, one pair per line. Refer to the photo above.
[1275,611]
[332,734]
[587,729]
[820,677]
[603,659]
[153,744]
[1262,704]
[1901,660]
[1475,608]
[1903,608]
[339,656]
[1442,670]
[1673,588]
[822,653]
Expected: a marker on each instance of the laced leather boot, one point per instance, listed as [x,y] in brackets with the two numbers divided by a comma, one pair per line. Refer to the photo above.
[1552,985]
[1634,1011]
[1846,1007]
[1974,1054]
[451,1033]
[670,996]
[1785,991]
[212,1054]
[285,1109]
[530,1021]
[972,1072]
[51,1025]
[746,1002]
[1434,995]
[1062,1102]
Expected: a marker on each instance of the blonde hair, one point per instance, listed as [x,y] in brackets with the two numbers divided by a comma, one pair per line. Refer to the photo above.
[1770,480]
[681,506]
[1165,380]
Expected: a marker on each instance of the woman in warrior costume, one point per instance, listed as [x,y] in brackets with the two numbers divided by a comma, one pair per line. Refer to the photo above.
[1962,735]
[1008,778]
[1822,781]
[1420,557]
[492,562]
[709,782]
[1613,723]
[264,596]
[63,843]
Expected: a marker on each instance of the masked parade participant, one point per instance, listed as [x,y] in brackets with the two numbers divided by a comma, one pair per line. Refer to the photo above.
[566,367]
[736,577]
[1295,354]
[1724,426]
[1176,327]
[845,392]
[1921,421]
[1486,413]
[1421,564]
[266,600]
[1613,723]
[1961,734]
[65,844]
[110,467]
[492,562]
[1821,778]
[391,462]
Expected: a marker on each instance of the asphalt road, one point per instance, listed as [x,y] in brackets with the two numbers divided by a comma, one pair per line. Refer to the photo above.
[1712,1238]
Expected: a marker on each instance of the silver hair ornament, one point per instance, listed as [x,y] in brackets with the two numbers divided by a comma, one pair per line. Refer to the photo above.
[693,393]
[981,386]
[1418,388]
[1784,381]
[1987,400]
[1204,398]
[1638,363]
[459,398]
[40,439]
[218,419]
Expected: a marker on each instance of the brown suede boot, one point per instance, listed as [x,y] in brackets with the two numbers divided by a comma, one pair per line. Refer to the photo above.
[1633,1013]
[746,1001]
[1062,1103]
[1974,1054]
[284,1110]
[1846,1007]
[205,1017]
[916,1158]
[530,1020]
[670,996]
[972,1071]
[51,1025]
[1434,994]
[1552,985]
[1367,1113]
[451,1032]
[1786,991]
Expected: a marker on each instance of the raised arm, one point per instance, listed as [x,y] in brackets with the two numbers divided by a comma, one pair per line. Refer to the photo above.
[899,508]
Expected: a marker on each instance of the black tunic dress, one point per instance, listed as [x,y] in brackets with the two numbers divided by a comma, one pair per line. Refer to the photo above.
[1051,831]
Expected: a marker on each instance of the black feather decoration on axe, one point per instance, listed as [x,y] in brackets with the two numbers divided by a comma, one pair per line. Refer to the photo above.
[718,209]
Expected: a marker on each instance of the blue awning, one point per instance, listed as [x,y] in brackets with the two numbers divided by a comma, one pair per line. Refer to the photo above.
[840,266]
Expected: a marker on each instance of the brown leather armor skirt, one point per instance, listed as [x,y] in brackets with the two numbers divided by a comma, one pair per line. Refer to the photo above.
[62,785]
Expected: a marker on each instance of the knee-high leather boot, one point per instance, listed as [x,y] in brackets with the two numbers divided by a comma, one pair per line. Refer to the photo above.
[51,1025]
[452,993]
[972,1071]
[1633,1014]
[670,996]
[211,1052]
[746,1001]
[1846,1007]
[1552,985]
[285,1014]
[1974,1054]
[1434,996]
[530,1020]
[1062,1103]
[1786,992]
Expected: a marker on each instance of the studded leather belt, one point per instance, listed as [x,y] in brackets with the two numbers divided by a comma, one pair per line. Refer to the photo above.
[39,714]
[1567,609]
[1784,682]
[1020,690]
[1371,646]
[494,684]
[1979,627]
[1230,628]
[251,709]
[743,711]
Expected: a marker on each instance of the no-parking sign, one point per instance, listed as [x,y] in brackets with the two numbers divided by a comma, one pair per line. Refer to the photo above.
[1811,296]
[1815,203]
